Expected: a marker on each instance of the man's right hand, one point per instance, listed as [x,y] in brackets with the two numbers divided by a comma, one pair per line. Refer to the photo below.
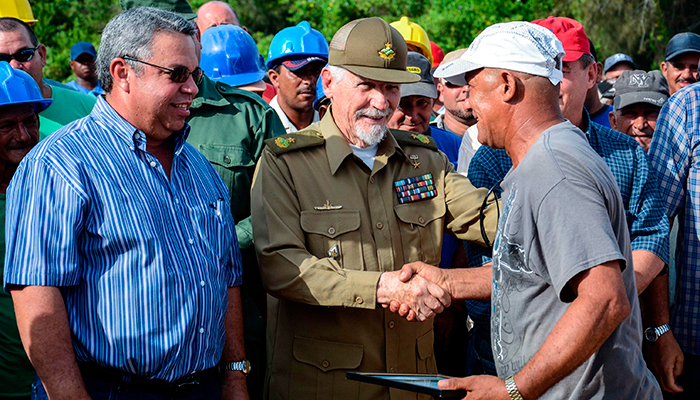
[421,298]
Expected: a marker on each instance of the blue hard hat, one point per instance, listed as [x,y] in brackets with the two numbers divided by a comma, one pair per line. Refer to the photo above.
[18,87]
[230,55]
[297,42]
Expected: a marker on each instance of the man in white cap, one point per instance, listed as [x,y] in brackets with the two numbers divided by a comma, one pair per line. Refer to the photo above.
[565,321]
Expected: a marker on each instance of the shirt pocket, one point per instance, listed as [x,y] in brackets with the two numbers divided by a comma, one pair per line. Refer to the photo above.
[334,234]
[213,222]
[236,166]
[421,225]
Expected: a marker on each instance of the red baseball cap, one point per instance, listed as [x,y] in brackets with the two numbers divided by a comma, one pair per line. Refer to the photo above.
[438,54]
[570,33]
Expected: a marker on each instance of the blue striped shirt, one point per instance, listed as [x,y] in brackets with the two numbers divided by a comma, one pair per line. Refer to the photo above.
[143,261]
[675,155]
[646,217]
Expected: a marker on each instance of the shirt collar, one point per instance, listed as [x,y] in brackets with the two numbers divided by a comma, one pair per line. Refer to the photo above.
[111,121]
[338,149]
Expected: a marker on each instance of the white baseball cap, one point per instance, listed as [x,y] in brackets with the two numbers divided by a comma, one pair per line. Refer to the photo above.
[517,46]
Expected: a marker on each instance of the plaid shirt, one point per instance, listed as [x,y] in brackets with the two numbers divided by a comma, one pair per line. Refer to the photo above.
[675,155]
[628,162]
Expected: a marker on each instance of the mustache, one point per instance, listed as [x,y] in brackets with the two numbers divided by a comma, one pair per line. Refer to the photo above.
[304,89]
[683,80]
[372,112]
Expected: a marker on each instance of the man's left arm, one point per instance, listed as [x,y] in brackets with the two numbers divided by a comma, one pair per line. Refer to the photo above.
[600,305]
[233,383]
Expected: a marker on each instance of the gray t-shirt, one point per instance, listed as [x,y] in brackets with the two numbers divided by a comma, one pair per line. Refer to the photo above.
[563,214]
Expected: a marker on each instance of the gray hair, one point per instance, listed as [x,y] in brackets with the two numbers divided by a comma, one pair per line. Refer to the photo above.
[131,33]
[338,73]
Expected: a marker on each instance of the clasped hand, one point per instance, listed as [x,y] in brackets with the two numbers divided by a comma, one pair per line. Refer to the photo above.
[415,292]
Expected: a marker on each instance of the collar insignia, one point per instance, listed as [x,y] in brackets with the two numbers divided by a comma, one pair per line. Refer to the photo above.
[283,143]
[421,137]
[387,52]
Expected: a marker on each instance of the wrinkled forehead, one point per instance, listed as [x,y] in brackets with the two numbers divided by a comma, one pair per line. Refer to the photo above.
[15,40]
[13,112]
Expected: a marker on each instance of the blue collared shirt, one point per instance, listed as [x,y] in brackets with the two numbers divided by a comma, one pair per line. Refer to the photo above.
[143,261]
[646,217]
[95,92]
[675,155]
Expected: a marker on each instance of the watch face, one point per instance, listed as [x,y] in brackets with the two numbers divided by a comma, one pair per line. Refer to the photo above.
[650,334]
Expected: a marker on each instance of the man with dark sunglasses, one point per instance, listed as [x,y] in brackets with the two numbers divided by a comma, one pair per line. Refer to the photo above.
[124,265]
[20,47]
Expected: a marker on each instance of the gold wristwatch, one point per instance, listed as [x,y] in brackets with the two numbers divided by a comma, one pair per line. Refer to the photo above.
[513,391]
[243,366]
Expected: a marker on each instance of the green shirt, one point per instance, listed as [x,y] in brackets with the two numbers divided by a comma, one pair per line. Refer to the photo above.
[229,127]
[47,127]
[68,105]
[16,372]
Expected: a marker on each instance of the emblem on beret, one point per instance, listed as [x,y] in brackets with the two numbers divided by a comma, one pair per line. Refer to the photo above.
[387,52]
[283,143]
[421,137]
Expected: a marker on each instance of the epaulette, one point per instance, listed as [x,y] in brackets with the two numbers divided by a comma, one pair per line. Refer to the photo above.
[295,141]
[414,139]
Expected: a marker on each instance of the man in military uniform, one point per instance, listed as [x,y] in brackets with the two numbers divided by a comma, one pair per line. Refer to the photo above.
[337,210]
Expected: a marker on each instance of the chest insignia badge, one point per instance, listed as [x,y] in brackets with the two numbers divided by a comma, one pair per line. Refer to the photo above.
[421,137]
[416,188]
[327,206]
[283,142]
[387,52]
[414,160]
[333,252]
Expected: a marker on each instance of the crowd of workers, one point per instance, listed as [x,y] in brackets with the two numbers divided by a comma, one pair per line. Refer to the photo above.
[188,219]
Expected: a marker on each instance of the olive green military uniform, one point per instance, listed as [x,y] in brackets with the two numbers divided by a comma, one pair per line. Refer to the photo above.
[229,126]
[325,228]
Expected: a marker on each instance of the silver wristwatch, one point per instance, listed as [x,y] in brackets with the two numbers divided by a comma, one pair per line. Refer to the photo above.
[512,389]
[653,334]
[243,366]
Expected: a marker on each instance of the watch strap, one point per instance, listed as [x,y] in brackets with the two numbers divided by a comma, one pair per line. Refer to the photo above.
[512,389]
[660,330]
[243,366]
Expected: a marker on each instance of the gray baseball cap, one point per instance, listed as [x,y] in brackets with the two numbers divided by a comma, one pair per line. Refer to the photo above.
[640,87]
[616,59]
[419,65]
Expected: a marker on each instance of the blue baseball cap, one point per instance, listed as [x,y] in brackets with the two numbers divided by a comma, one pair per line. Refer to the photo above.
[616,59]
[685,42]
[81,48]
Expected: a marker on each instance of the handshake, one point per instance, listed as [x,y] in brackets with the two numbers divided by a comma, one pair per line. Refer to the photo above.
[417,292]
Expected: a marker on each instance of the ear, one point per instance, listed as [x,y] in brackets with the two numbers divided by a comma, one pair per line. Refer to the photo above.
[327,78]
[664,67]
[508,85]
[613,120]
[440,88]
[274,78]
[42,52]
[121,73]
[599,71]
[591,75]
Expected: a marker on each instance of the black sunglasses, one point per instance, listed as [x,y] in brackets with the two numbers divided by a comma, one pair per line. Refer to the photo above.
[178,74]
[23,55]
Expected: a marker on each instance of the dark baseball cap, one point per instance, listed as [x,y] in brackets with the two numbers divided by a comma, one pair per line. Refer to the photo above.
[615,59]
[81,48]
[685,42]
[181,7]
[640,87]
[295,63]
[419,65]
[372,49]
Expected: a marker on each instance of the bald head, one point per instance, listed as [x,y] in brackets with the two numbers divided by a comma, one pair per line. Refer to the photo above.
[215,13]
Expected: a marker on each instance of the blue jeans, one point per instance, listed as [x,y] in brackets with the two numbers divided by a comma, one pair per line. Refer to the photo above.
[98,390]
[479,353]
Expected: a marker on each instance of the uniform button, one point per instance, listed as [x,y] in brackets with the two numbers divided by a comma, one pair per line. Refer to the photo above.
[325,364]
[331,230]
[201,330]
[359,300]
[153,164]
[191,241]
[137,136]
[421,220]
[177,201]
[392,324]
[371,179]
[227,160]
[201,283]
[380,225]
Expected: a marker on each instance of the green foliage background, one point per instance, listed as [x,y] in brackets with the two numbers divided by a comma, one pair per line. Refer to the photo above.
[639,28]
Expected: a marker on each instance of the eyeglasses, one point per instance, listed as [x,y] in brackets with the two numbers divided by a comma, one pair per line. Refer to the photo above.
[23,55]
[178,74]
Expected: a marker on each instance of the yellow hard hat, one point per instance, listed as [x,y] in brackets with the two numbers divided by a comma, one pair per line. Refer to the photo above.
[414,34]
[19,9]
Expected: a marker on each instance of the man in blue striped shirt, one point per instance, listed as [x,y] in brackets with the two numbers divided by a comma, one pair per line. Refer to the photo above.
[122,257]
